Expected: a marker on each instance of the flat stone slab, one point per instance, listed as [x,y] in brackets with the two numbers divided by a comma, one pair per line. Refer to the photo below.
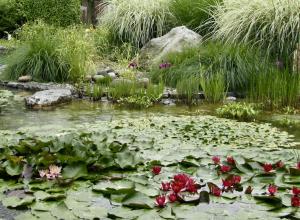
[36,86]
[48,98]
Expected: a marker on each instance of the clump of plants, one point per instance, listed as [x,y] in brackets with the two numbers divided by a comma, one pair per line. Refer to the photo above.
[49,53]
[214,87]
[267,24]
[136,21]
[275,89]
[238,110]
[237,63]
[193,13]
[94,91]
[188,89]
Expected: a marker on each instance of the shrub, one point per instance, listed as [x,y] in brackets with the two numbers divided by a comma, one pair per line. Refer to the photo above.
[213,87]
[11,16]
[240,111]
[271,24]
[275,89]
[55,12]
[236,62]
[193,13]
[136,21]
[52,54]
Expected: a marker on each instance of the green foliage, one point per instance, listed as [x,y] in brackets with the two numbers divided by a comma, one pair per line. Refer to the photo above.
[52,54]
[94,91]
[241,111]
[11,16]
[136,21]
[213,87]
[133,94]
[271,24]
[275,89]
[61,13]
[187,89]
[193,13]
[236,62]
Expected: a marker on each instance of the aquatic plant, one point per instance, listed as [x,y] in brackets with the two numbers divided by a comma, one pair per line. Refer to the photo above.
[237,110]
[214,87]
[112,161]
[188,89]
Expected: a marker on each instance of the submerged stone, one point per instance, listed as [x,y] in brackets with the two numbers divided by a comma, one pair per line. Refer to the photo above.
[48,98]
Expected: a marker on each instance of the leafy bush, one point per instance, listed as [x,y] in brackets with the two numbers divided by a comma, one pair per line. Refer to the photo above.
[240,111]
[62,12]
[275,89]
[193,13]
[136,21]
[11,16]
[236,62]
[52,54]
[213,87]
[273,25]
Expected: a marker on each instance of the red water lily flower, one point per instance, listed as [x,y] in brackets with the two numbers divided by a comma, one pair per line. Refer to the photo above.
[172,197]
[230,160]
[165,186]
[236,179]
[156,170]
[295,201]
[298,165]
[225,168]
[279,164]
[272,190]
[176,187]
[268,167]
[160,201]
[191,186]
[227,183]
[181,178]
[216,159]
[216,191]
[296,191]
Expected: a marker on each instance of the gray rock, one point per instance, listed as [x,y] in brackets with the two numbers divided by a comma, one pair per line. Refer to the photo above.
[3,49]
[170,93]
[88,78]
[112,75]
[97,78]
[144,82]
[231,98]
[48,98]
[26,78]
[157,49]
[170,102]
[35,86]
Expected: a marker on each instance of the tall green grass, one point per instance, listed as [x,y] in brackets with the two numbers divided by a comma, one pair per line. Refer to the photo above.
[271,24]
[236,62]
[275,89]
[52,54]
[214,87]
[136,21]
[193,13]
[188,89]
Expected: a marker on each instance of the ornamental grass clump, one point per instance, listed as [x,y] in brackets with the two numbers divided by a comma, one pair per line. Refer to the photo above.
[136,21]
[49,53]
[271,24]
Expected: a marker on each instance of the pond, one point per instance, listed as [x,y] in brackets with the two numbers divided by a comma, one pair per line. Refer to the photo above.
[108,153]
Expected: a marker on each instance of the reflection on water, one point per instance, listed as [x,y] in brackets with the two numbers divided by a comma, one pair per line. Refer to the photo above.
[16,115]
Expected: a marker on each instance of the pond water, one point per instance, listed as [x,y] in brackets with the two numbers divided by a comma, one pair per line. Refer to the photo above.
[16,115]
[185,144]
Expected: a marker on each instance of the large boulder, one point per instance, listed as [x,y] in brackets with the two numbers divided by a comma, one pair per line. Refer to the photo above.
[48,98]
[157,49]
